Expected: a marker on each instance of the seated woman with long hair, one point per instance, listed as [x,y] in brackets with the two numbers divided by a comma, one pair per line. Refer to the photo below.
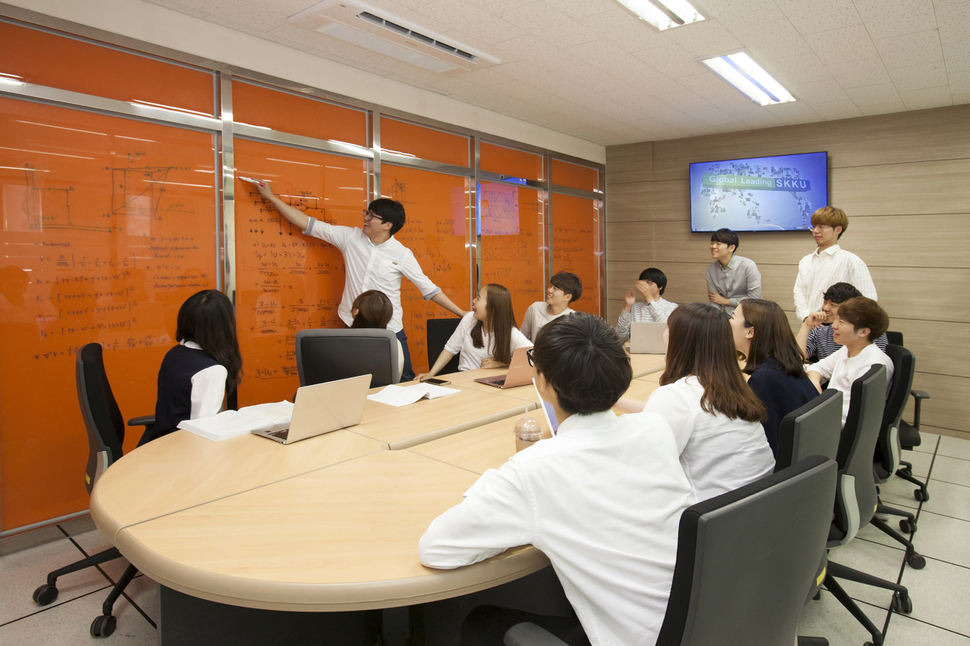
[486,337]
[774,361]
[372,309]
[198,374]
[716,418]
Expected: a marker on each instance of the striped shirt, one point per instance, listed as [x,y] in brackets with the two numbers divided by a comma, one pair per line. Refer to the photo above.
[820,270]
[820,344]
[656,312]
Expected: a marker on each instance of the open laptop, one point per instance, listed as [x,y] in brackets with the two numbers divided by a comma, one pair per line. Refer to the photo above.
[322,408]
[647,338]
[520,372]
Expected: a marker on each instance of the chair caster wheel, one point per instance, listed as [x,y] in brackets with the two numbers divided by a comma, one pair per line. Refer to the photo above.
[907,527]
[902,604]
[45,594]
[921,495]
[915,561]
[103,626]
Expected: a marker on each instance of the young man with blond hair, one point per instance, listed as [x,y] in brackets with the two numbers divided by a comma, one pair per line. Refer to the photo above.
[829,264]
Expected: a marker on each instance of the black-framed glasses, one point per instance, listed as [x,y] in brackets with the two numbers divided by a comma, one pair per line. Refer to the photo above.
[370,215]
[528,355]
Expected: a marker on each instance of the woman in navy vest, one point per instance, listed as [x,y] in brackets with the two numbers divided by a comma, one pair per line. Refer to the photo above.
[197,374]
[774,361]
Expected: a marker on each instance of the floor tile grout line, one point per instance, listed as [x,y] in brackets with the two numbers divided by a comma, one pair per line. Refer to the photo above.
[928,623]
[55,605]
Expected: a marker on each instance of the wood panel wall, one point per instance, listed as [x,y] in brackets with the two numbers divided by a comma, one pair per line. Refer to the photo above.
[904,181]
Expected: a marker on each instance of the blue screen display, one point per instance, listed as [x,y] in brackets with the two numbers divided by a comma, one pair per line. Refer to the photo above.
[758,194]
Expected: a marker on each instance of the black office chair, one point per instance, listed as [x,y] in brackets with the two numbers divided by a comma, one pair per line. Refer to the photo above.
[106,435]
[886,459]
[812,429]
[856,498]
[909,437]
[439,331]
[328,355]
[745,560]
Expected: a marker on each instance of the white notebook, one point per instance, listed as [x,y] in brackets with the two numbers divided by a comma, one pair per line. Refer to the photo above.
[230,423]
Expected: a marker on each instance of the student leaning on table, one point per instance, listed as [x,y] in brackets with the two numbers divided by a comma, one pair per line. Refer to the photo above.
[715,416]
[486,337]
[602,499]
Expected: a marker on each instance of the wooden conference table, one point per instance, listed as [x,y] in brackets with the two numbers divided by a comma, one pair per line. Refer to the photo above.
[330,524]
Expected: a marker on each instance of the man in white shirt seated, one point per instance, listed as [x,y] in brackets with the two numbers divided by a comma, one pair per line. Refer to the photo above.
[828,264]
[858,323]
[651,285]
[564,289]
[602,499]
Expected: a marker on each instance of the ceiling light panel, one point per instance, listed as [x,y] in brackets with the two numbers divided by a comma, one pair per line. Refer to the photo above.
[742,72]
[663,14]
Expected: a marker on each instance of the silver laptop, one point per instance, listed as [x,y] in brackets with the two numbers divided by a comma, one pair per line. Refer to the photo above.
[520,372]
[647,338]
[322,408]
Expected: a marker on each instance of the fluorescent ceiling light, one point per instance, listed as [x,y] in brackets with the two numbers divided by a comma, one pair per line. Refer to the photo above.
[743,73]
[663,14]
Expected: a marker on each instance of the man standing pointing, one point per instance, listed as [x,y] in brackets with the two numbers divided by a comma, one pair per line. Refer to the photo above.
[373,259]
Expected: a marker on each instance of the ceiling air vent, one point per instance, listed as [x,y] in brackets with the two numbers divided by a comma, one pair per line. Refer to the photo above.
[365,26]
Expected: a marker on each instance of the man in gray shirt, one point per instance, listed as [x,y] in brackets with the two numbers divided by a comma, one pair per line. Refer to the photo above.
[730,278]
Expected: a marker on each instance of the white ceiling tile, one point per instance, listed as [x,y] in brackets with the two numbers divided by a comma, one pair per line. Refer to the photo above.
[959,81]
[957,56]
[705,38]
[836,110]
[934,97]
[911,49]
[580,9]
[920,76]
[471,25]
[859,73]
[180,7]
[815,16]
[843,44]
[544,21]
[632,98]
[605,55]
[621,27]
[534,50]
[882,108]
[882,94]
[716,90]
[960,98]
[651,80]
[814,92]
[741,13]
[501,6]
[954,22]
[797,69]
[793,113]
[671,60]
[777,39]
[885,18]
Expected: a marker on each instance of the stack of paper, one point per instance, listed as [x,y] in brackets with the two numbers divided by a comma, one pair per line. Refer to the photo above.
[404,395]
[230,423]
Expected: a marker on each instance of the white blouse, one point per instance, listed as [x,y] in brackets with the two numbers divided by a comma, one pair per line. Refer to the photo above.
[471,357]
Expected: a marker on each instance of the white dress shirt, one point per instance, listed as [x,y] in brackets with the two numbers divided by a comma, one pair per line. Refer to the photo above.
[602,500]
[718,454]
[820,270]
[538,315]
[656,312]
[471,357]
[736,282]
[372,266]
[841,371]
[208,387]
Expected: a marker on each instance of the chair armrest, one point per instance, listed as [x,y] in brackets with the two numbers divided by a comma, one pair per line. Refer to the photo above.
[919,394]
[146,420]
[528,634]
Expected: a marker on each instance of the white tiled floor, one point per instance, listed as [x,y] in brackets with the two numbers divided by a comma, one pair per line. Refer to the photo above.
[940,592]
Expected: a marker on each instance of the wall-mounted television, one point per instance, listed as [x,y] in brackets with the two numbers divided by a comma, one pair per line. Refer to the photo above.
[759,193]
